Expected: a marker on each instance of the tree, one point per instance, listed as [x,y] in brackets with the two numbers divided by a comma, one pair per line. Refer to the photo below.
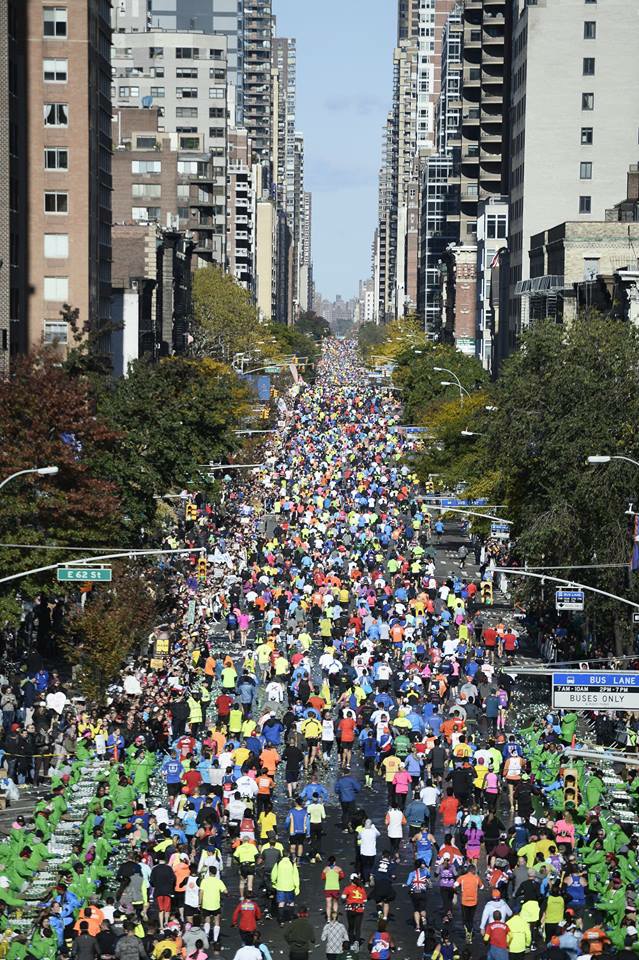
[47,419]
[370,335]
[100,636]
[225,319]
[569,392]
[312,324]
[421,384]
[172,416]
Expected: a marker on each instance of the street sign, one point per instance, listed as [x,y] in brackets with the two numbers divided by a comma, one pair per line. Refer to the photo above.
[589,690]
[86,574]
[569,600]
[273,369]
[190,613]
[500,531]
[635,618]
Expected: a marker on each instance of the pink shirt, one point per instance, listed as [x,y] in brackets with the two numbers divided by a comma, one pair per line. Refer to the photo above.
[402,781]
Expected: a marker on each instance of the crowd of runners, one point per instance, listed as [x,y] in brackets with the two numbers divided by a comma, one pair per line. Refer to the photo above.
[322,756]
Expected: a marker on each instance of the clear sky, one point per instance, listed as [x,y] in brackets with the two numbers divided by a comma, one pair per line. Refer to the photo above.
[344,90]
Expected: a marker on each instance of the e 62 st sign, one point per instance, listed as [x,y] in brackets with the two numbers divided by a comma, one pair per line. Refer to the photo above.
[84,574]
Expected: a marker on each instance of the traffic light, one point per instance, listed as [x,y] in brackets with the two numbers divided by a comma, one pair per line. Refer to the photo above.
[264,414]
[191,511]
[571,788]
[487,593]
[201,568]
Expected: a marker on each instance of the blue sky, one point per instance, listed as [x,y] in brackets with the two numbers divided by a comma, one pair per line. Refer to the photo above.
[344,89]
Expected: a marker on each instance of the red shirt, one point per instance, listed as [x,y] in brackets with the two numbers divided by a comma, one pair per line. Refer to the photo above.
[490,637]
[185,745]
[346,727]
[246,915]
[510,642]
[224,704]
[497,933]
[448,809]
[192,779]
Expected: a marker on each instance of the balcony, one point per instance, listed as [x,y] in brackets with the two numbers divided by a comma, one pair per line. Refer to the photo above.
[472,77]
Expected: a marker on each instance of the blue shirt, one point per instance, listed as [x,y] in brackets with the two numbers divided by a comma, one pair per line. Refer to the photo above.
[173,770]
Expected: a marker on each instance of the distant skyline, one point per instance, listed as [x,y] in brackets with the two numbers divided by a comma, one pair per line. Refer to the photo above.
[344,78]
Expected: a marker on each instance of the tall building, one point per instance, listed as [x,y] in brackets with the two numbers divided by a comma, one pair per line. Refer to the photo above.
[257,43]
[306,256]
[439,222]
[285,97]
[221,17]
[59,166]
[240,210]
[13,169]
[575,116]
[184,74]
[484,126]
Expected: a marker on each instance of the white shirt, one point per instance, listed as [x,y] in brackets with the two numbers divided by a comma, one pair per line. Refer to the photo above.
[132,686]
[429,796]
[248,953]
[192,892]
[395,827]
[491,908]
[368,841]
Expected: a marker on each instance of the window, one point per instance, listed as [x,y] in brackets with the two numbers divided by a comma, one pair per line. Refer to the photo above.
[586,136]
[145,213]
[183,191]
[146,190]
[585,170]
[55,331]
[585,204]
[56,202]
[589,67]
[591,268]
[56,288]
[156,52]
[590,29]
[157,91]
[216,131]
[189,143]
[55,71]
[56,158]
[56,115]
[56,246]
[186,112]
[188,73]
[146,143]
[54,22]
[183,213]
[129,92]
[146,166]
[187,166]
[587,101]
[216,113]
[186,93]
[216,93]
[187,53]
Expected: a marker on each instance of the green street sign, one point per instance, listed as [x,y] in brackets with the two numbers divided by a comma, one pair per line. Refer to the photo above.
[84,574]
[272,369]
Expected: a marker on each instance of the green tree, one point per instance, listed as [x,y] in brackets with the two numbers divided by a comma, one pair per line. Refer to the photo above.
[172,416]
[225,319]
[100,636]
[312,324]
[421,384]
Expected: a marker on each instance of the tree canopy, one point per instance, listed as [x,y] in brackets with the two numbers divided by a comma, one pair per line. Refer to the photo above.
[225,318]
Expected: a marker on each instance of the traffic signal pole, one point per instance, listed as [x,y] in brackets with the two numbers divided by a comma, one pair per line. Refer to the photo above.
[517,572]
[130,554]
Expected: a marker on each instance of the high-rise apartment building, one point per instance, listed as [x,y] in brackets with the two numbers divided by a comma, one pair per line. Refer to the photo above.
[306,256]
[484,121]
[60,186]
[221,17]
[575,120]
[284,113]
[184,74]
[257,42]
[241,210]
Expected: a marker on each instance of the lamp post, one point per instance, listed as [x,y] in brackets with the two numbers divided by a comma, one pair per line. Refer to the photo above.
[456,382]
[471,433]
[41,472]
[605,458]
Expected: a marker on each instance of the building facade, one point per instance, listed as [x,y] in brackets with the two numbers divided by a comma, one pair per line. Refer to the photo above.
[575,120]
[65,185]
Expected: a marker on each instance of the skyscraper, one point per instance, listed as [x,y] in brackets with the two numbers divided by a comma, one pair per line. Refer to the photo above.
[257,42]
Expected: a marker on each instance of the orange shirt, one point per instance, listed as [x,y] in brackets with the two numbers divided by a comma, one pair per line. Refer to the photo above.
[470,885]
[269,759]
[448,809]
[346,727]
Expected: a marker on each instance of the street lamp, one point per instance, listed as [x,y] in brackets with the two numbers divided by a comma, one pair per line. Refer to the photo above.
[604,458]
[41,472]
[472,433]
[455,383]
